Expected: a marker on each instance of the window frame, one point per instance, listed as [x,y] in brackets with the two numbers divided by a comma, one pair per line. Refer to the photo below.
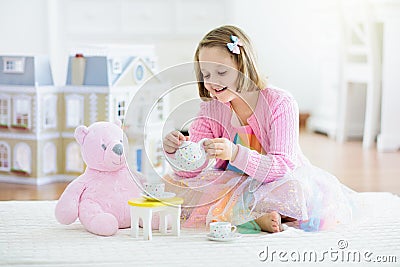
[8,150]
[16,154]
[47,98]
[68,122]
[28,115]
[19,65]
[7,116]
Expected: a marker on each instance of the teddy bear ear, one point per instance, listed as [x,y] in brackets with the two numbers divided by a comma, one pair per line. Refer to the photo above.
[118,122]
[80,134]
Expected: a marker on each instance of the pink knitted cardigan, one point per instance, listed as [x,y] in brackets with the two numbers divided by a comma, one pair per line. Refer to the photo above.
[275,123]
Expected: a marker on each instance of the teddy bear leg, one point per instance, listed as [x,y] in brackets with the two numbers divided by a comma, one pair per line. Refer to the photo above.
[95,220]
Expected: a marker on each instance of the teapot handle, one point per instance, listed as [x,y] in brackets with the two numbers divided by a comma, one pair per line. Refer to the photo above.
[211,161]
[202,141]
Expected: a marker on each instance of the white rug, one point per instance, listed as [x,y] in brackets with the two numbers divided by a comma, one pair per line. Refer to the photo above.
[30,236]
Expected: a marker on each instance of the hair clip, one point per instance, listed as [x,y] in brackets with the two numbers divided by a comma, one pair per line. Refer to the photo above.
[234,47]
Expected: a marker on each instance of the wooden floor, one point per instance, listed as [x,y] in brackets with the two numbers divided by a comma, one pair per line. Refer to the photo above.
[361,170]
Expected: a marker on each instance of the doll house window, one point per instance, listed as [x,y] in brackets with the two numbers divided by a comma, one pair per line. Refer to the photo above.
[13,64]
[22,158]
[138,72]
[50,153]
[116,66]
[50,112]
[4,111]
[74,112]
[5,157]
[74,162]
[22,110]
[160,109]
[121,110]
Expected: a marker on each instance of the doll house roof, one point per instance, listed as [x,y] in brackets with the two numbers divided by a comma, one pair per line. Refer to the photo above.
[25,70]
[105,70]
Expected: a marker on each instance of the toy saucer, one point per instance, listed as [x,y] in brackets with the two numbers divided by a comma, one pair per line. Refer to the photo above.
[230,238]
[164,196]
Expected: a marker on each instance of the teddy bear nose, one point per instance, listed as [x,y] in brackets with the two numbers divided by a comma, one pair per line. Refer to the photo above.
[118,149]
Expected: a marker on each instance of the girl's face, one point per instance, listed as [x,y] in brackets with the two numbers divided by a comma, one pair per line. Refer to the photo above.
[220,73]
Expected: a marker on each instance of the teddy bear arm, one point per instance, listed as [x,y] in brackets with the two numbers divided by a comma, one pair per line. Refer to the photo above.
[66,211]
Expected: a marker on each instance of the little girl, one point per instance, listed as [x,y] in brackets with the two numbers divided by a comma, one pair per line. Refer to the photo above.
[253,133]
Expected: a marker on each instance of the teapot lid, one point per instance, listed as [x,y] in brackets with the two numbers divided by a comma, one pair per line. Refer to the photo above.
[184,144]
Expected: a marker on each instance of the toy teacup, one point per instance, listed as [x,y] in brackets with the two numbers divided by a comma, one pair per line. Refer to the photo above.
[222,229]
[154,189]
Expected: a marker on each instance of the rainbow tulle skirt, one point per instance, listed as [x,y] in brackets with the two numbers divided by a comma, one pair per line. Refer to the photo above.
[312,196]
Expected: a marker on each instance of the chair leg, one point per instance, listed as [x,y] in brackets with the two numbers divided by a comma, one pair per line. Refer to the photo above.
[341,134]
[176,222]
[134,222]
[163,224]
[147,216]
[371,117]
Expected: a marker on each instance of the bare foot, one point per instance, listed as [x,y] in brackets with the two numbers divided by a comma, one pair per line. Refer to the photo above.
[270,222]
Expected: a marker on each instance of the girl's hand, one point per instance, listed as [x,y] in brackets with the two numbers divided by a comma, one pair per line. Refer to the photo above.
[221,148]
[172,141]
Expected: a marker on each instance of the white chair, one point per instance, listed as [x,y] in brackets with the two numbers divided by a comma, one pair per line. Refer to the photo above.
[144,209]
[361,68]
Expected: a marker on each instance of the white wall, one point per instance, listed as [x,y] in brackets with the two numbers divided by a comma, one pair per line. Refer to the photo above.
[23,27]
[284,33]
[291,39]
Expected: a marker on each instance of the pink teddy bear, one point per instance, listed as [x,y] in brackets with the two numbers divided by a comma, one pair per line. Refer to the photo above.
[99,197]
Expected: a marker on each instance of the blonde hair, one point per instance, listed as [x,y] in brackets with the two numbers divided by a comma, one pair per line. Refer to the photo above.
[246,61]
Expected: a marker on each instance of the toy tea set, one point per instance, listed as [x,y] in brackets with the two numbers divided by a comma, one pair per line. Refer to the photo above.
[88,197]
[223,232]
[190,156]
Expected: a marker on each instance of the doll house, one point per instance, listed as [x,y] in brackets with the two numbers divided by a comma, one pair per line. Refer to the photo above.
[100,87]
[29,125]
[38,119]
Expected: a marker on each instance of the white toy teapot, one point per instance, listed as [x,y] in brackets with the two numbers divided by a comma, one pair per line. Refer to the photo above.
[190,156]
